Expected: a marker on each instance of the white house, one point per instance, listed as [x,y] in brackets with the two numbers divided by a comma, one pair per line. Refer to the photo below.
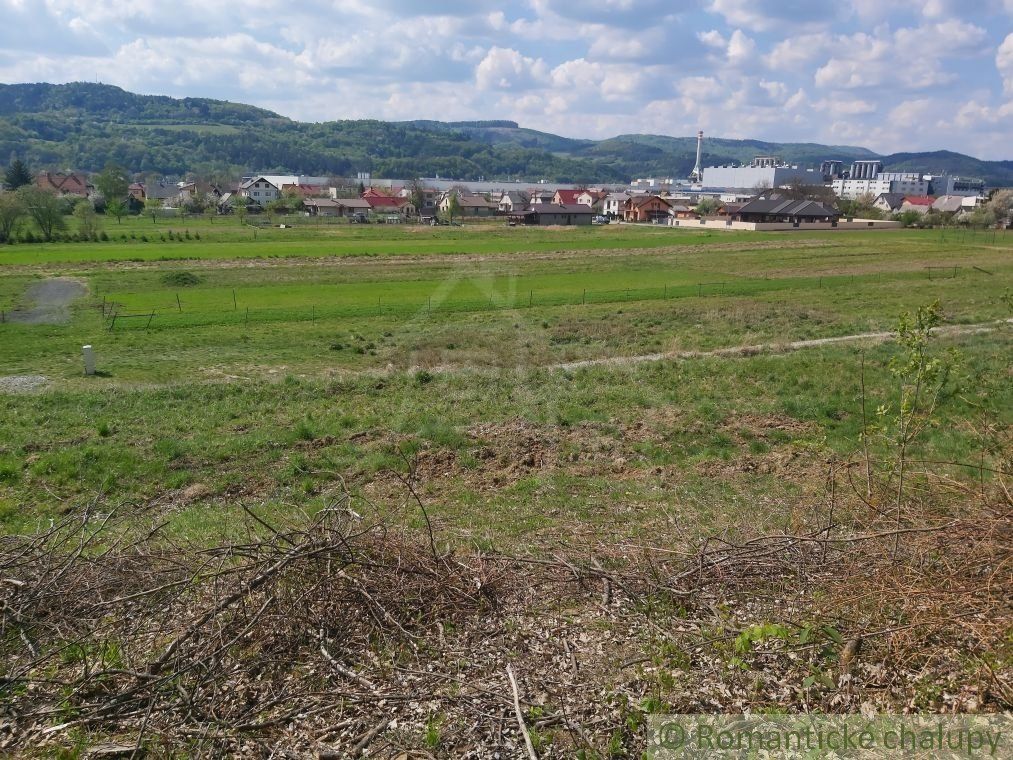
[259,190]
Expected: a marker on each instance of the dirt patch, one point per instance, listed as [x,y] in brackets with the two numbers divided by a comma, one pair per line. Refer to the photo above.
[51,300]
[22,383]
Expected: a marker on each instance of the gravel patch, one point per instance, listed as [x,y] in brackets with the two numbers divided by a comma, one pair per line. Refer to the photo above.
[22,383]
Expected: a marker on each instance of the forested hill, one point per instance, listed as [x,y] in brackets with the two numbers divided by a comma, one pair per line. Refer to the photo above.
[84,126]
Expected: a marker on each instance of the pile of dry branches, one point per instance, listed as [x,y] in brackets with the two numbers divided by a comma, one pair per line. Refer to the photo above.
[345,636]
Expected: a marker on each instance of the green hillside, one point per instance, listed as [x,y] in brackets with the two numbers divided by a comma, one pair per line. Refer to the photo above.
[84,126]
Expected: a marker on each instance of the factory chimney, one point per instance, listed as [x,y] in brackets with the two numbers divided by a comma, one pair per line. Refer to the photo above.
[697,174]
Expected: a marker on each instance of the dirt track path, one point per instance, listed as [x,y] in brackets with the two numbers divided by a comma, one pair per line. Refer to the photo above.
[760,348]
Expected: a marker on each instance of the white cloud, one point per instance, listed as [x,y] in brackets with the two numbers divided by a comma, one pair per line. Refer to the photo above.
[507,69]
[1004,62]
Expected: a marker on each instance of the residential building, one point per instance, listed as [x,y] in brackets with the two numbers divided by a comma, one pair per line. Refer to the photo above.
[567,197]
[646,208]
[554,214]
[336,206]
[64,184]
[917,203]
[541,196]
[512,201]
[785,211]
[260,190]
[889,202]
[948,204]
[612,206]
[385,204]
[593,198]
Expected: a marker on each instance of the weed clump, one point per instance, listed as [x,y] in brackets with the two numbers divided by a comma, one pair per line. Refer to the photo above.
[182,279]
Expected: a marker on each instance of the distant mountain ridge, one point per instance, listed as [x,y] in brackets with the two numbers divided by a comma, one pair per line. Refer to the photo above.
[85,126]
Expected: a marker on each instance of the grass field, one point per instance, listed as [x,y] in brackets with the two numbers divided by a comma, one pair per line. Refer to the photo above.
[249,363]
[333,472]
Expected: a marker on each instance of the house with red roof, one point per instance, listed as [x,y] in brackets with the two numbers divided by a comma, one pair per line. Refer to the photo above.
[920,204]
[646,208]
[566,197]
[385,205]
[64,184]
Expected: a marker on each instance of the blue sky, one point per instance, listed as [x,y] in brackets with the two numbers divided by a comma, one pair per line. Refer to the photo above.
[918,75]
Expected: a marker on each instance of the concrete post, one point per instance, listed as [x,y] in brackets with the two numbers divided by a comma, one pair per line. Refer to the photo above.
[89,360]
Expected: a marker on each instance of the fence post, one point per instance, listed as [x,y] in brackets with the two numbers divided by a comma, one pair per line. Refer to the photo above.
[149,320]
[531,297]
[235,304]
[178,304]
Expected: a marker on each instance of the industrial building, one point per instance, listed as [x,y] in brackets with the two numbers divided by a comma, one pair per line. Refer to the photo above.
[762,172]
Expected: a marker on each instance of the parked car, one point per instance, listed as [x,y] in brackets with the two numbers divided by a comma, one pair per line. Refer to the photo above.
[358,218]
[601,220]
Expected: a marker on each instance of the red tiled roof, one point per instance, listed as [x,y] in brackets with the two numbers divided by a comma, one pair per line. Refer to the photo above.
[383,201]
[62,183]
[568,197]
[919,200]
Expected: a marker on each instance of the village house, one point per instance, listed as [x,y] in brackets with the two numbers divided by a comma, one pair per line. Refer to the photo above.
[646,208]
[566,197]
[889,202]
[384,204]
[544,214]
[513,201]
[541,196]
[777,209]
[593,198]
[920,204]
[342,207]
[259,190]
[469,204]
[612,206]
[64,184]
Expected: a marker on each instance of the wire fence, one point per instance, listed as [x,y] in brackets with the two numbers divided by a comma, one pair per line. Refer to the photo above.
[176,313]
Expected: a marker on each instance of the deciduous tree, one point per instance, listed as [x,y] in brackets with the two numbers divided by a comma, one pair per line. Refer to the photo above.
[87,220]
[44,208]
[112,182]
[117,208]
[12,210]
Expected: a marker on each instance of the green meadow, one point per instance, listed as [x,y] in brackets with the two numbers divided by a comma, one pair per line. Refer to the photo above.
[279,369]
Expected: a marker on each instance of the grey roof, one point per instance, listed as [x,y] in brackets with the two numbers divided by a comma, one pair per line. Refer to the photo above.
[559,208]
[474,201]
[515,196]
[778,206]
[353,202]
[893,200]
[948,203]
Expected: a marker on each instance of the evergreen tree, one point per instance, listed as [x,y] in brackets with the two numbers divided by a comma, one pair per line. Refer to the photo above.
[17,175]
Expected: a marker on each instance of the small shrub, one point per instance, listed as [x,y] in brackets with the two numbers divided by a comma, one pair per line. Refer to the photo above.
[424,377]
[104,430]
[181,279]
[144,238]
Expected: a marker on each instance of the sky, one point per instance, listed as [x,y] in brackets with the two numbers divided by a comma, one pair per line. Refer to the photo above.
[890,76]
